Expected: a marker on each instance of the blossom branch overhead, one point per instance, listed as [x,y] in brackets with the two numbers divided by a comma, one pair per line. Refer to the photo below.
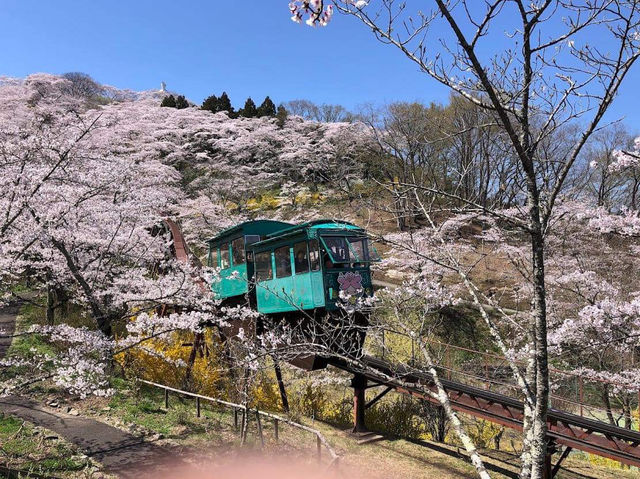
[316,11]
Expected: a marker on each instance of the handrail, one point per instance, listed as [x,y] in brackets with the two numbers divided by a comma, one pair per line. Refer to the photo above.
[503,358]
[319,436]
[557,374]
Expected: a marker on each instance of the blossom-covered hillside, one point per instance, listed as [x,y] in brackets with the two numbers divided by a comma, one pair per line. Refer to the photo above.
[222,161]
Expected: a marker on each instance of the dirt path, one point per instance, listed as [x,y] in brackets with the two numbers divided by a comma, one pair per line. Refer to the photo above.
[119,452]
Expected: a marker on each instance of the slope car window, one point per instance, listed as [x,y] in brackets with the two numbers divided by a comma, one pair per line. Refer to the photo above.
[358,249]
[314,255]
[363,249]
[283,262]
[337,248]
[213,258]
[371,251]
[301,257]
[264,270]
[237,251]
[249,240]
[224,255]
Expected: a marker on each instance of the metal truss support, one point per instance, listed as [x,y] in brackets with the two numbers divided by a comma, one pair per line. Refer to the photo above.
[378,397]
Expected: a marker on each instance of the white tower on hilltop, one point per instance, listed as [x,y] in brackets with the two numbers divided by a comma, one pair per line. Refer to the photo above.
[163,86]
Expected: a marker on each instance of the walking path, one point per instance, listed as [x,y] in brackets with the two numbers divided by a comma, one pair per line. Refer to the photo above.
[118,451]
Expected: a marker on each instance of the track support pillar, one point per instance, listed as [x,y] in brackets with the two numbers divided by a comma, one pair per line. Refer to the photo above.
[549,471]
[359,385]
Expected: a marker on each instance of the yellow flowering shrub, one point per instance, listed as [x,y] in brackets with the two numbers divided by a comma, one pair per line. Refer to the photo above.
[165,361]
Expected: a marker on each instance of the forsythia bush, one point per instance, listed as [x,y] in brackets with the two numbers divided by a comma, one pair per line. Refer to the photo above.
[267,201]
[481,432]
[165,361]
[400,418]
[266,394]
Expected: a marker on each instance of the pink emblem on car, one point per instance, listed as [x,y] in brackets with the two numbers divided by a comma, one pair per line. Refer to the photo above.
[350,282]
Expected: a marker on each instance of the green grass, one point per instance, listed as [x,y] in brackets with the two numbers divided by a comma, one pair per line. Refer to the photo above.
[24,447]
[146,409]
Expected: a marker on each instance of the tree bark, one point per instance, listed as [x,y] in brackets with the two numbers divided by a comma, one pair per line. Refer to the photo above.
[51,305]
[102,320]
[283,391]
[539,436]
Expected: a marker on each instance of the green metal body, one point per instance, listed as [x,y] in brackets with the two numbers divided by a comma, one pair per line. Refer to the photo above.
[292,267]
[234,274]
[315,288]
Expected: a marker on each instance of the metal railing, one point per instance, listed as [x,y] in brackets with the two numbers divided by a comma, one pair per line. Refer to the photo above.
[240,409]
[580,401]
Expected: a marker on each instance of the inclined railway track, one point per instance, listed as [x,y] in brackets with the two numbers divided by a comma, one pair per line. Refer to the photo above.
[566,429]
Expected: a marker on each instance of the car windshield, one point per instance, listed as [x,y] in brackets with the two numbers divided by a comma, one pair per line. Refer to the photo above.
[337,248]
[363,250]
[350,249]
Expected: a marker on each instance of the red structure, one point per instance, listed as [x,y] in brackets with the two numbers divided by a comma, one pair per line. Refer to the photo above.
[565,429]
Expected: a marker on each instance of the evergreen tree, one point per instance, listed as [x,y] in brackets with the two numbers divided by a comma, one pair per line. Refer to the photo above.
[249,110]
[268,108]
[211,103]
[181,102]
[281,116]
[169,101]
[224,104]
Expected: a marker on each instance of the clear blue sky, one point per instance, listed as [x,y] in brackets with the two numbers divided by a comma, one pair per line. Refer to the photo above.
[200,47]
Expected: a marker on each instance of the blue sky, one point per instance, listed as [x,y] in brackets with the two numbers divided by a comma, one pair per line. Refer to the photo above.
[200,47]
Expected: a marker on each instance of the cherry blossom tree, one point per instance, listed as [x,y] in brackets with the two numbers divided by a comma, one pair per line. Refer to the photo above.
[540,75]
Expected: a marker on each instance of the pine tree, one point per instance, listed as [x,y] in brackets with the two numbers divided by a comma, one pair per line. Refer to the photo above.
[181,102]
[281,116]
[169,101]
[224,104]
[211,103]
[268,108]
[249,110]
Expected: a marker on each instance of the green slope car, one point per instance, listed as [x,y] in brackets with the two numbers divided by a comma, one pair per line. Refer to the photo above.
[298,274]
[283,268]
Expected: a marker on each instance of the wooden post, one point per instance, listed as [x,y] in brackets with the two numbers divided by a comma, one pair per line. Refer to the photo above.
[242,423]
[197,407]
[235,419]
[275,428]
[319,447]
[486,373]
[581,396]
[166,399]
[449,366]
[259,427]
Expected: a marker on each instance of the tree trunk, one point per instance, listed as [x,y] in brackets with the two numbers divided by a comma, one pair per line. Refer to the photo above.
[626,409]
[102,320]
[443,399]
[283,391]
[539,420]
[51,305]
[606,399]
[198,340]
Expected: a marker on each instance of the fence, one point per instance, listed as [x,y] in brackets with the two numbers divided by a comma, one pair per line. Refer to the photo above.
[239,408]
